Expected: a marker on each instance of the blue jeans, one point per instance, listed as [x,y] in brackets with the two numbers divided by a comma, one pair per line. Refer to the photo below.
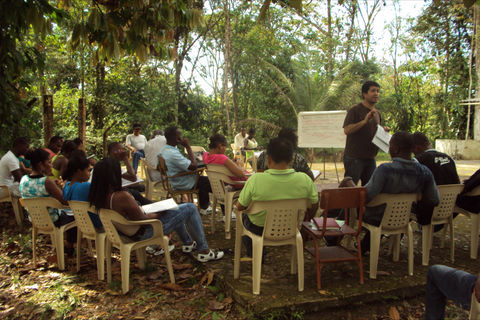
[359,169]
[447,283]
[176,220]
[136,159]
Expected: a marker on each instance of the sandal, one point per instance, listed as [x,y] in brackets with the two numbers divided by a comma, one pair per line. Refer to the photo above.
[161,251]
[211,255]
[189,248]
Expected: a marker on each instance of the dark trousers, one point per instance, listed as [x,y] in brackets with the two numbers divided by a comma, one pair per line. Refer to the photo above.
[63,219]
[204,189]
[253,228]
[447,283]
[359,169]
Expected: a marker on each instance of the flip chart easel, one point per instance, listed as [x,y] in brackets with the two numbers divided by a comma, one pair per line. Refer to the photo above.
[322,129]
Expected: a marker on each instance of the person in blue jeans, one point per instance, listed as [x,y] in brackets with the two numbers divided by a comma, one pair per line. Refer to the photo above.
[448,283]
[106,192]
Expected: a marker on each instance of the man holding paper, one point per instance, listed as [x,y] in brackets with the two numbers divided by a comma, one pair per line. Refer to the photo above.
[360,126]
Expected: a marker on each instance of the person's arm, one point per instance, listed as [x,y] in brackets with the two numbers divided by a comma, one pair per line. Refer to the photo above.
[130,174]
[17,175]
[235,169]
[354,127]
[430,195]
[54,191]
[125,203]
[375,184]
[476,288]
[193,162]
[128,143]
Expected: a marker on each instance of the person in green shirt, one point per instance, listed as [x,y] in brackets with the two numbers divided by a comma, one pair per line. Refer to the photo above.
[279,182]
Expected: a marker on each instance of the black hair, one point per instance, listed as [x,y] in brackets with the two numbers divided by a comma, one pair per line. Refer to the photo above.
[368,84]
[136,125]
[20,141]
[55,139]
[280,150]
[171,133]
[106,178]
[37,156]
[68,147]
[216,140]
[420,139]
[403,141]
[77,161]
[78,141]
[251,132]
[112,146]
[290,135]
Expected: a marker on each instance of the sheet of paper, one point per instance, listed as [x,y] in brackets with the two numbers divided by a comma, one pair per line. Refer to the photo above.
[382,139]
[316,173]
[126,183]
[163,205]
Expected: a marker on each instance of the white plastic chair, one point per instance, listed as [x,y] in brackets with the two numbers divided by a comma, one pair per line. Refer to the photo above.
[126,245]
[474,224]
[395,221]
[87,230]
[474,309]
[218,176]
[442,214]
[42,223]
[17,208]
[150,184]
[281,228]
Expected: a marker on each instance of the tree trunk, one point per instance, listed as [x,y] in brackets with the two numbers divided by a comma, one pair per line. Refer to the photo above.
[329,42]
[98,107]
[476,116]
[227,67]
[47,118]
[82,127]
[353,13]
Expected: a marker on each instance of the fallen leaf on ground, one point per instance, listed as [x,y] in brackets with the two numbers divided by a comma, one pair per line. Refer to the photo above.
[112,293]
[322,291]
[6,313]
[173,286]
[215,305]
[383,273]
[209,278]
[182,266]
[393,313]
[227,300]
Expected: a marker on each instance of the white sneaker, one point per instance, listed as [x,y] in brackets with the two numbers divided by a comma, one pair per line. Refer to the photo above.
[234,217]
[205,212]
[161,251]
[211,255]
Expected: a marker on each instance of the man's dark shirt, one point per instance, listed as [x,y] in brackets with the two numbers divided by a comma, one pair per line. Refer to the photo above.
[442,166]
[359,144]
[470,203]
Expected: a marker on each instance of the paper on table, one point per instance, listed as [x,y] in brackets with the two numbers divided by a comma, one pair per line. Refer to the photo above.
[163,205]
[382,139]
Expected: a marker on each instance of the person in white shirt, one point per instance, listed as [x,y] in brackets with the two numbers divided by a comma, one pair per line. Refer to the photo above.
[10,173]
[136,143]
[152,148]
[240,138]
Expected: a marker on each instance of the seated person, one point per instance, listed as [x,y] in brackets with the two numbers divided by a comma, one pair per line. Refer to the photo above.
[152,148]
[54,146]
[177,163]
[10,172]
[402,175]
[24,165]
[216,155]
[37,185]
[81,146]
[59,161]
[279,182]
[299,163]
[470,203]
[240,138]
[77,185]
[117,151]
[136,143]
[440,164]
[250,143]
[448,283]
[106,192]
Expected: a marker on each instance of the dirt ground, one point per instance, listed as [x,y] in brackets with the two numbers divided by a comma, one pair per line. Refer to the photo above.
[44,292]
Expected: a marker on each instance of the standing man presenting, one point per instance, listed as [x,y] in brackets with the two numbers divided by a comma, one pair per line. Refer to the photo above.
[360,126]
